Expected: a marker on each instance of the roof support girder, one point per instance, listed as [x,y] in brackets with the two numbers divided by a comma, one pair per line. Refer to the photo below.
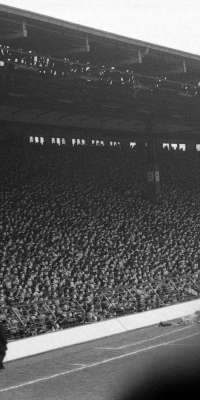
[21,33]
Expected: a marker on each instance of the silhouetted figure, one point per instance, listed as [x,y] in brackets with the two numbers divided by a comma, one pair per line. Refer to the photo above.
[3,342]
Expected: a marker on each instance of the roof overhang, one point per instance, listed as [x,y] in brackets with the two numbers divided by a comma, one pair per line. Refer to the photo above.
[26,30]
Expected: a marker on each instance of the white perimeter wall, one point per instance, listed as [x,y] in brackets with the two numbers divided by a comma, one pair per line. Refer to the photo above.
[80,334]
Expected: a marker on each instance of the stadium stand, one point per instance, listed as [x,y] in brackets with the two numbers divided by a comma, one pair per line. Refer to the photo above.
[74,69]
[81,242]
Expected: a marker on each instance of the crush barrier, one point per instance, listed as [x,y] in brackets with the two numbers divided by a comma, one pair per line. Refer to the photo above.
[80,334]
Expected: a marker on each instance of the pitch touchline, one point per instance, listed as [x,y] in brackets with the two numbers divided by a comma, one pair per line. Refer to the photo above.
[145,340]
[94,364]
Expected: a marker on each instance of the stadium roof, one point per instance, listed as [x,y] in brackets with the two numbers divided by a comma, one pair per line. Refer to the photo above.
[166,108]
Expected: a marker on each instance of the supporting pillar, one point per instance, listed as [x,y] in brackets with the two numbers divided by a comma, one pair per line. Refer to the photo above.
[153,170]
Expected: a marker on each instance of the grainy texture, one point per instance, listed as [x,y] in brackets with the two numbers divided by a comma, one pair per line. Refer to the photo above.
[134,355]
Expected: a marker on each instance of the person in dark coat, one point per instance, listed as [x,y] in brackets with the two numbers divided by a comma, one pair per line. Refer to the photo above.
[3,342]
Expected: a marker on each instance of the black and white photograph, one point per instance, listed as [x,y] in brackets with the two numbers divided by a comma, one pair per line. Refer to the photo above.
[99,199]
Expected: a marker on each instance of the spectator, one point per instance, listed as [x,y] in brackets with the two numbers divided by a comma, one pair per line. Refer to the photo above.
[79,243]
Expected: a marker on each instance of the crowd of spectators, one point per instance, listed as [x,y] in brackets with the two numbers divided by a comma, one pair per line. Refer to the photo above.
[80,242]
[70,68]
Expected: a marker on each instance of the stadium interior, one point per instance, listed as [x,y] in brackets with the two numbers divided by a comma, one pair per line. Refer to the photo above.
[99,172]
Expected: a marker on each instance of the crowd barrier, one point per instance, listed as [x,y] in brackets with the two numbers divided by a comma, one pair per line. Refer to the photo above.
[51,341]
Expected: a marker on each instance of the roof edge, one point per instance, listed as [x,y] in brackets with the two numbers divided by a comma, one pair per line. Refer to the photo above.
[96,32]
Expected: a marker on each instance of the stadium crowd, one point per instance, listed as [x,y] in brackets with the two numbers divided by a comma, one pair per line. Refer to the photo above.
[49,67]
[70,68]
[81,242]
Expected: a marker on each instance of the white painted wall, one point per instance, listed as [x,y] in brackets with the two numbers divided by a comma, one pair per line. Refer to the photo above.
[68,337]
